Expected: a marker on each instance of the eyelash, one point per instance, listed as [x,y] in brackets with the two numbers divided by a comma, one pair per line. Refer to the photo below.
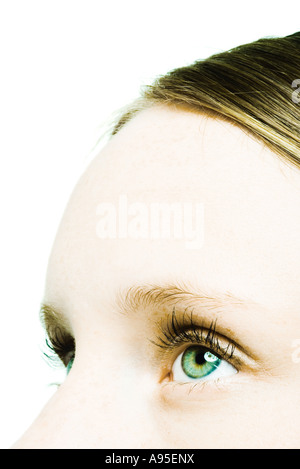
[176,330]
[180,329]
[60,347]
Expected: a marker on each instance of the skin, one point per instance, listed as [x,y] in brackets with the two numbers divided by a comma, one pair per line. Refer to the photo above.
[118,393]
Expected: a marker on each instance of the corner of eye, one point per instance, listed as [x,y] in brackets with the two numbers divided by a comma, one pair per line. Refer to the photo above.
[258,368]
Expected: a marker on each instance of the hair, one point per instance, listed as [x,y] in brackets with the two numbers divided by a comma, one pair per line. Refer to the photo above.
[250,85]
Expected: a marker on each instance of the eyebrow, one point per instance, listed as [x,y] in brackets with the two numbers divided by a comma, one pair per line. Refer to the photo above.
[136,297]
[171,295]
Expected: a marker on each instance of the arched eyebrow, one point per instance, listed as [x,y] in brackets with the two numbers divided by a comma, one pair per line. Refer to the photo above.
[171,295]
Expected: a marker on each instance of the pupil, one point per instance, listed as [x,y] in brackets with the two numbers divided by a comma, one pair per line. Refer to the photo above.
[199,358]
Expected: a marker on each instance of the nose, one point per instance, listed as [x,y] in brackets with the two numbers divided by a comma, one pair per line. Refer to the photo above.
[97,413]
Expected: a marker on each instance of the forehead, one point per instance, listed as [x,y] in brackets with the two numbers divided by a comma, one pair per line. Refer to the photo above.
[250,202]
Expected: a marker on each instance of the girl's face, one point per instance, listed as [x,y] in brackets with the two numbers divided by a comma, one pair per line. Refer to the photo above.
[176,269]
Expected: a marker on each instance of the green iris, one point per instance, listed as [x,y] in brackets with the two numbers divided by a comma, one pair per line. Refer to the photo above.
[198,362]
[69,365]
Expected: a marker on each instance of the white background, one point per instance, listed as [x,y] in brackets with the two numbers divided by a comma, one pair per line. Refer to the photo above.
[65,67]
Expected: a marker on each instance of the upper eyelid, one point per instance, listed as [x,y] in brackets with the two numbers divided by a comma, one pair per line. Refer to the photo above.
[240,357]
[198,318]
[60,339]
[52,318]
[193,336]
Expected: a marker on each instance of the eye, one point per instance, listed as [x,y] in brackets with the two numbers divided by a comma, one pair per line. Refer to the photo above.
[70,364]
[198,363]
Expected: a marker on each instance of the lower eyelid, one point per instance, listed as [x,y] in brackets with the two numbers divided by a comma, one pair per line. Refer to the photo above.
[176,392]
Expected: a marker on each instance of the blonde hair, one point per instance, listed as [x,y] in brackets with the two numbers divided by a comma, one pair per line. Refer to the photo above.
[250,85]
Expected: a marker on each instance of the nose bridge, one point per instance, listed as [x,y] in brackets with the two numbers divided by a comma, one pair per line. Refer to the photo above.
[123,408]
[116,388]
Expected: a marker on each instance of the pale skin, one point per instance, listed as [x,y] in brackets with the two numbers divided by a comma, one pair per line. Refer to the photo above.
[121,391]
